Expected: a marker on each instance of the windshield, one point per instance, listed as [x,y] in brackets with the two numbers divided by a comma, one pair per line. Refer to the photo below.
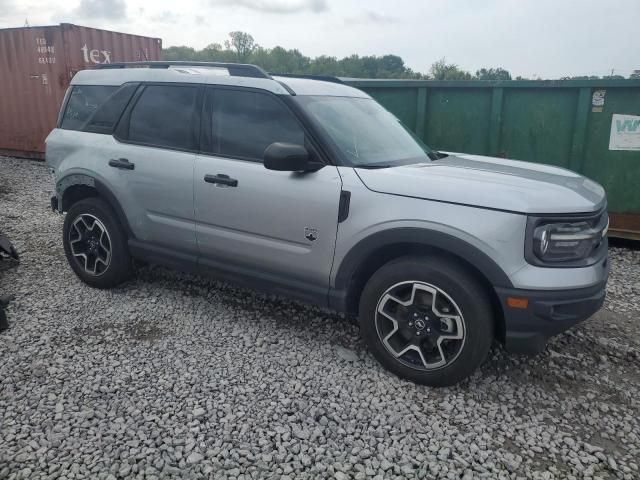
[365,134]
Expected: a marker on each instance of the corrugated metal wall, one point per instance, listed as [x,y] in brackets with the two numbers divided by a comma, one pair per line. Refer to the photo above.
[565,123]
[36,65]
[33,78]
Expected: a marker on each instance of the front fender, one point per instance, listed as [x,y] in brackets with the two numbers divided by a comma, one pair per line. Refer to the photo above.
[367,247]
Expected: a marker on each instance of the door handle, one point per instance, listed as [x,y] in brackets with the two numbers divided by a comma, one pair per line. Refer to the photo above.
[122,163]
[221,179]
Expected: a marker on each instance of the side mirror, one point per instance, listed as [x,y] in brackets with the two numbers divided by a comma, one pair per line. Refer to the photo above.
[288,157]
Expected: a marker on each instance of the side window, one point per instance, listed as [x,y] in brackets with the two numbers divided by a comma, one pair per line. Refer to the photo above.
[104,119]
[245,123]
[83,101]
[163,116]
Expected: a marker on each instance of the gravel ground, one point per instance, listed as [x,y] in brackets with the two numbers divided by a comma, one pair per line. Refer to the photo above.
[177,376]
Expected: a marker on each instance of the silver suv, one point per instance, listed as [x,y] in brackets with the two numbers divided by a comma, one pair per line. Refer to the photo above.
[310,189]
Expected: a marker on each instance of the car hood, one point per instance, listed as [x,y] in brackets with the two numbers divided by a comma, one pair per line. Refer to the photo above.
[490,182]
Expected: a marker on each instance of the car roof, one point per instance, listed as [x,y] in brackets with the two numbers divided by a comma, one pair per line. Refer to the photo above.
[217,75]
[309,86]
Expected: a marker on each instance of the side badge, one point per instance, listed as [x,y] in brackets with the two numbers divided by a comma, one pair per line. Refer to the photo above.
[311,233]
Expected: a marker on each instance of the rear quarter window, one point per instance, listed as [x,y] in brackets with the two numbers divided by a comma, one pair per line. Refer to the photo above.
[165,116]
[105,118]
[83,102]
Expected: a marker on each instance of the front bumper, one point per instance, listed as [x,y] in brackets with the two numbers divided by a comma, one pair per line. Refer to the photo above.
[548,313]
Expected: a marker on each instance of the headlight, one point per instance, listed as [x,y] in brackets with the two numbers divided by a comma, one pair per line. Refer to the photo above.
[558,242]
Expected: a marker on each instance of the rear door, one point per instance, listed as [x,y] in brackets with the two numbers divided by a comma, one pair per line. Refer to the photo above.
[276,227]
[151,165]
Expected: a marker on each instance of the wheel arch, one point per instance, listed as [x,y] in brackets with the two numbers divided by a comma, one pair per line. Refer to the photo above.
[371,253]
[76,187]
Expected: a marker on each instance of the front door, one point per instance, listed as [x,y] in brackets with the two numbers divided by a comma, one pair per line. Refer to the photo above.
[275,227]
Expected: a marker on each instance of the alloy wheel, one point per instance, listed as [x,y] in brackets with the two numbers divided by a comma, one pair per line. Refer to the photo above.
[420,325]
[90,244]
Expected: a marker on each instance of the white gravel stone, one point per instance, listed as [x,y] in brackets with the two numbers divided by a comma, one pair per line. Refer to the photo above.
[198,412]
[195,458]
[346,354]
[179,376]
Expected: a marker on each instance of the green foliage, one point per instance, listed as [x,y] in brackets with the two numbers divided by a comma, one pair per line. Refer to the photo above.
[581,77]
[441,70]
[596,77]
[179,53]
[241,47]
[492,74]
[242,43]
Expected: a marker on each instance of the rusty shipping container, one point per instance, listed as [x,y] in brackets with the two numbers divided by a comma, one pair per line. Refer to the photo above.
[36,65]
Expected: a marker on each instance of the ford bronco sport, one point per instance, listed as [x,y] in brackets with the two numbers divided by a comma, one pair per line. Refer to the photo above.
[310,189]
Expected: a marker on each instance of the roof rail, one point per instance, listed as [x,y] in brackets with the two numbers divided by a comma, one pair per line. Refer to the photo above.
[235,69]
[324,78]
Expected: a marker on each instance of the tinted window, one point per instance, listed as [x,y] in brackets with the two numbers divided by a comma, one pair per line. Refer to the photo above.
[163,116]
[107,115]
[82,103]
[244,124]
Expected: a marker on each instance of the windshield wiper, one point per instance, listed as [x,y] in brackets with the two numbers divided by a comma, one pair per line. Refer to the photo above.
[435,155]
[373,166]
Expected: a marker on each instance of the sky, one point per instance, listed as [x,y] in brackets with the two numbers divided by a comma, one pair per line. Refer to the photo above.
[531,38]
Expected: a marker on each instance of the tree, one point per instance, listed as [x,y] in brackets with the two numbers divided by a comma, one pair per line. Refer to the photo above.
[635,74]
[242,43]
[241,47]
[392,63]
[324,65]
[581,77]
[441,70]
[492,74]
[179,53]
[352,66]
[289,61]
[214,52]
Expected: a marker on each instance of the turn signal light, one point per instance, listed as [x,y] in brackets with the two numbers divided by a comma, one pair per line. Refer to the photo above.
[517,302]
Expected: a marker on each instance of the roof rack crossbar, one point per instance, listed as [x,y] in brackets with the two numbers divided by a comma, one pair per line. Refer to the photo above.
[235,69]
[324,78]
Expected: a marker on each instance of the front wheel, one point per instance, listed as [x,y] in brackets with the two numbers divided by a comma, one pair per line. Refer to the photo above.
[426,320]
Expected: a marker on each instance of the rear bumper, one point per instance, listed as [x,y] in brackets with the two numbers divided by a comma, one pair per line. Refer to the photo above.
[548,313]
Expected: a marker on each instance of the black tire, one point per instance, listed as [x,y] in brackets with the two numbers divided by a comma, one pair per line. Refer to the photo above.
[120,267]
[452,282]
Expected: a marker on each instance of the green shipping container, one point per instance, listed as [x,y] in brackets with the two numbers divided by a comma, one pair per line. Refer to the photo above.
[568,123]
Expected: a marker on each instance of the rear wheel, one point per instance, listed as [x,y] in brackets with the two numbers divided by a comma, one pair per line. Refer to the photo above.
[427,320]
[95,244]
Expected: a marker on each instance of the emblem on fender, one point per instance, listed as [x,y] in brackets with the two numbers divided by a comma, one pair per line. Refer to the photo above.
[311,233]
